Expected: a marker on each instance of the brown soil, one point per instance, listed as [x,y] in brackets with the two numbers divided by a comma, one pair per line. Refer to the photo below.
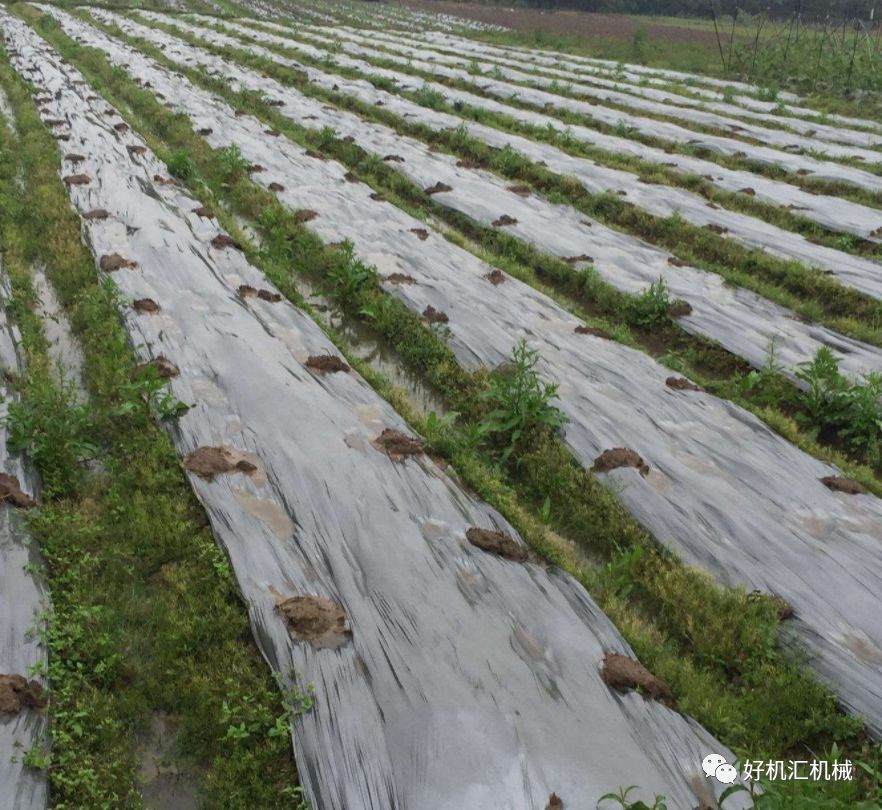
[749,191]
[272,132]
[145,305]
[617,457]
[400,278]
[319,621]
[496,277]
[77,179]
[202,211]
[584,257]
[11,492]
[114,261]
[96,213]
[73,157]
[137,150]
[164,181]
[349,177]
[62,136]
[467,164]
[222,241]
[554,802]
[17,693]
[270,296]
[433,315]
[717,229]
[521,191]
[678,309]
[497,543]
[846,485]
[421,233]
[164,367]
[326,363]
[623,674]
[393,159]
[120,127]
[398,445]
[276,103]
[204,131]
[674,262]
[682,384]
[276,187]
[438,188]
[305,215]
[377,197]
[54,122]
[592,330]
[256,167]
[207,462]
[505,219]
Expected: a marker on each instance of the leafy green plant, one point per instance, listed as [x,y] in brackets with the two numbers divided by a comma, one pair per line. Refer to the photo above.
[349,276]
[181,165]
[626,804]
[429,97]
[520,401]
[650,307]
[232,160]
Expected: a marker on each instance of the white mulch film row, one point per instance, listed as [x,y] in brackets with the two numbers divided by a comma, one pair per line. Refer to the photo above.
[723,490]
[469,680]
[22,601]
[726,146]
[830,212]
[467,53]
[738,319]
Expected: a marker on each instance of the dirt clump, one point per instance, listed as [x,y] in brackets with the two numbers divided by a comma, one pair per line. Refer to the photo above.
[421,233]
[202,211]
[617,457]
[272,132]
[326,363]
[554,802]
[717,229]
[305,215]
[164,181]
[120,127]
[54,122]
[113,262]
[11,492]
[136,149]
[319,621]
[584,257]
[679,308]
[398,445]
[74,157]
[849,486]
[256,167]
[496,277]
[682,384]
[438,188]
[623,674]
[748,190]
[393,159]
[467,164]
[164,367]
[276,103]
[520,190]
[77,180]
[497,543]
[803,172]
[592,330]
[400,278]
[204,131]
[433,315]
[145,305]
[675,262]
[207,462]
[505,219]
[17,693]
[349,177]
[222,241]
[62,136]
[276,187]
[96,213]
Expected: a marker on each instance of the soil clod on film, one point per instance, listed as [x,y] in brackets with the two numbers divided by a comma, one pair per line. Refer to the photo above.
[400,278]
[326,363]
[496,277]
[222,241]
[749,191]
[438,188]
[398,445]
[520,190]
[276,187]
[121,127]
[624,674]
[207,462]
[377,197]
[11,492]
[269,296]
[204,131]
[682,384]
[592,330]
[717,229]
[202,211]
[254,168]
[505,219]
[319,621]
[584,257]
[17,693]
[617,457]
[96,213]
[433,315]
[145,306]
[137,150]
[164,181]
[847,485]
[305,215]
[113,262]
[554,802]
[74,157]
[164,367]
[675,262]
[421,233]
[272,132]
[393,159]
[77,180]
[497,543]
[679,308]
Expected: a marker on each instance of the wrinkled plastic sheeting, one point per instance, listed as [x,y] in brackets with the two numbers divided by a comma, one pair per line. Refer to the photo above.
[741,321]
[862,274]
[830,212]
[22,602]
[723,490]
[656,128]
[469,681]
[469,52]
